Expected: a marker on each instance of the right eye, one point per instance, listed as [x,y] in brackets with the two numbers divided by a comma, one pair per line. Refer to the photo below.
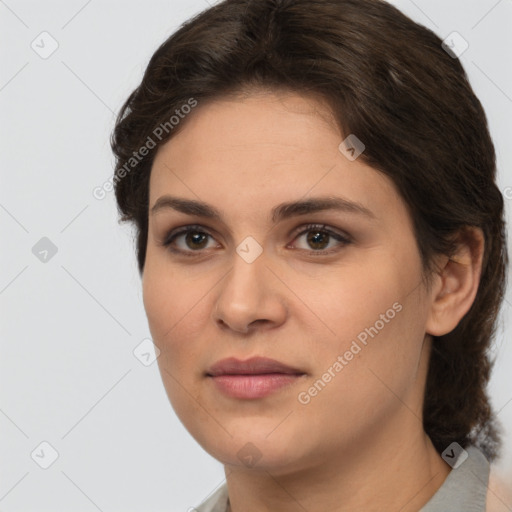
[194,240]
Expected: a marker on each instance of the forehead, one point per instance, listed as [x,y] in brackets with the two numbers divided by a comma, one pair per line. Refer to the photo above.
[262,150]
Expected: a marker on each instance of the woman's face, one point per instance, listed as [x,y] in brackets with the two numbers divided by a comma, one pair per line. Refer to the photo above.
[340,302]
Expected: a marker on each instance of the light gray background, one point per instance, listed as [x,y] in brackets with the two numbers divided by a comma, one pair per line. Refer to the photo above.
[69,326]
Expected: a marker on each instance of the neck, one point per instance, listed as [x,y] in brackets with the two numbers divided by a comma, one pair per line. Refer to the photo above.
[389,471]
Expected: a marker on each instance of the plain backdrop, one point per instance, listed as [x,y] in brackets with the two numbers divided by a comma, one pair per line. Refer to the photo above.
[70,295]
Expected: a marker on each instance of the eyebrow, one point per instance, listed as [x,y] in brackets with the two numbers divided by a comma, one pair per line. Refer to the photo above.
[280,212]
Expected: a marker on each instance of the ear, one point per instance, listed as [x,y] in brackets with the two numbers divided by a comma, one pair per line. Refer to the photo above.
[457,283]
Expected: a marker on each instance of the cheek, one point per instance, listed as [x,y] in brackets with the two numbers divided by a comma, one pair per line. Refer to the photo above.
[375,323]
[158,302]
[172,313]
[166,294]
[350,300]
[366,377]
[165,302]
[177,308]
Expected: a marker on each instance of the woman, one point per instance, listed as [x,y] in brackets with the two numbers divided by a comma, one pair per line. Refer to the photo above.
[323,254]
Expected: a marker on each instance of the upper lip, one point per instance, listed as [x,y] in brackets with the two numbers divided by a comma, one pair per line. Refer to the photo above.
[252,366]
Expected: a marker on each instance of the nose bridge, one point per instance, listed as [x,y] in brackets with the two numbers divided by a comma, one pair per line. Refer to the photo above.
[245,281]
[247,292]
[248,265]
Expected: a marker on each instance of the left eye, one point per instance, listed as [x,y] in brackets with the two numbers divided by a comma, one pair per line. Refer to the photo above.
[319,236]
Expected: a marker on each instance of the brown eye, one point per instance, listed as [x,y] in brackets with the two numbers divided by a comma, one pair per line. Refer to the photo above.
[196,240]
[319,237]
[188,240]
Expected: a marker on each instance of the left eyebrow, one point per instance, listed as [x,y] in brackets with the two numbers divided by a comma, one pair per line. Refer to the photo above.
[280,212]
[319,204]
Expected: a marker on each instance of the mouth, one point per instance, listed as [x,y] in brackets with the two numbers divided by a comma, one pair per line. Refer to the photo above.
[254,378]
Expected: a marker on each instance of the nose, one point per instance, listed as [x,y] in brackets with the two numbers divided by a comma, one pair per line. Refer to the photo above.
[249,295]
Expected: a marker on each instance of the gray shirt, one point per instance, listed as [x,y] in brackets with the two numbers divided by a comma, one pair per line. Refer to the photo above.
[464,490]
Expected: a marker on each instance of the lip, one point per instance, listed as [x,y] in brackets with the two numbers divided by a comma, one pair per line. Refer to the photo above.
[253,378]
[252,366]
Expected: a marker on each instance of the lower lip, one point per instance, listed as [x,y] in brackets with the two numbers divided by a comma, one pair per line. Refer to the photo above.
[253,386]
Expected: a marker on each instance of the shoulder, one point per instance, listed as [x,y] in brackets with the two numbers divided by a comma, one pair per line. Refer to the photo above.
[499,492]
[216,502]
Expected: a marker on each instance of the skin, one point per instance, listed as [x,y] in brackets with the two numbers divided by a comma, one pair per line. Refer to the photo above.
[358,445]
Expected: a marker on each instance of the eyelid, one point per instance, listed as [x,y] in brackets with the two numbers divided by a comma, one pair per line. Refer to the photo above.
[185,229]
[304,228]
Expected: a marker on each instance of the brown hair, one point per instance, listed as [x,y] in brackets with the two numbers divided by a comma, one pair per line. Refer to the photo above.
[389,81]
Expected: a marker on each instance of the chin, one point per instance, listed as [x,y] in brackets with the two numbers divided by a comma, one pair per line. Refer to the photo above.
[254,449]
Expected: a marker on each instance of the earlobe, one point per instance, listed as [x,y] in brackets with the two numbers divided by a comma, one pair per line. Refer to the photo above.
[457,283]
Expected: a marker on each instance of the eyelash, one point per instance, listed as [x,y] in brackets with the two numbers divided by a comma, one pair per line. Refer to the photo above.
[343,239]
